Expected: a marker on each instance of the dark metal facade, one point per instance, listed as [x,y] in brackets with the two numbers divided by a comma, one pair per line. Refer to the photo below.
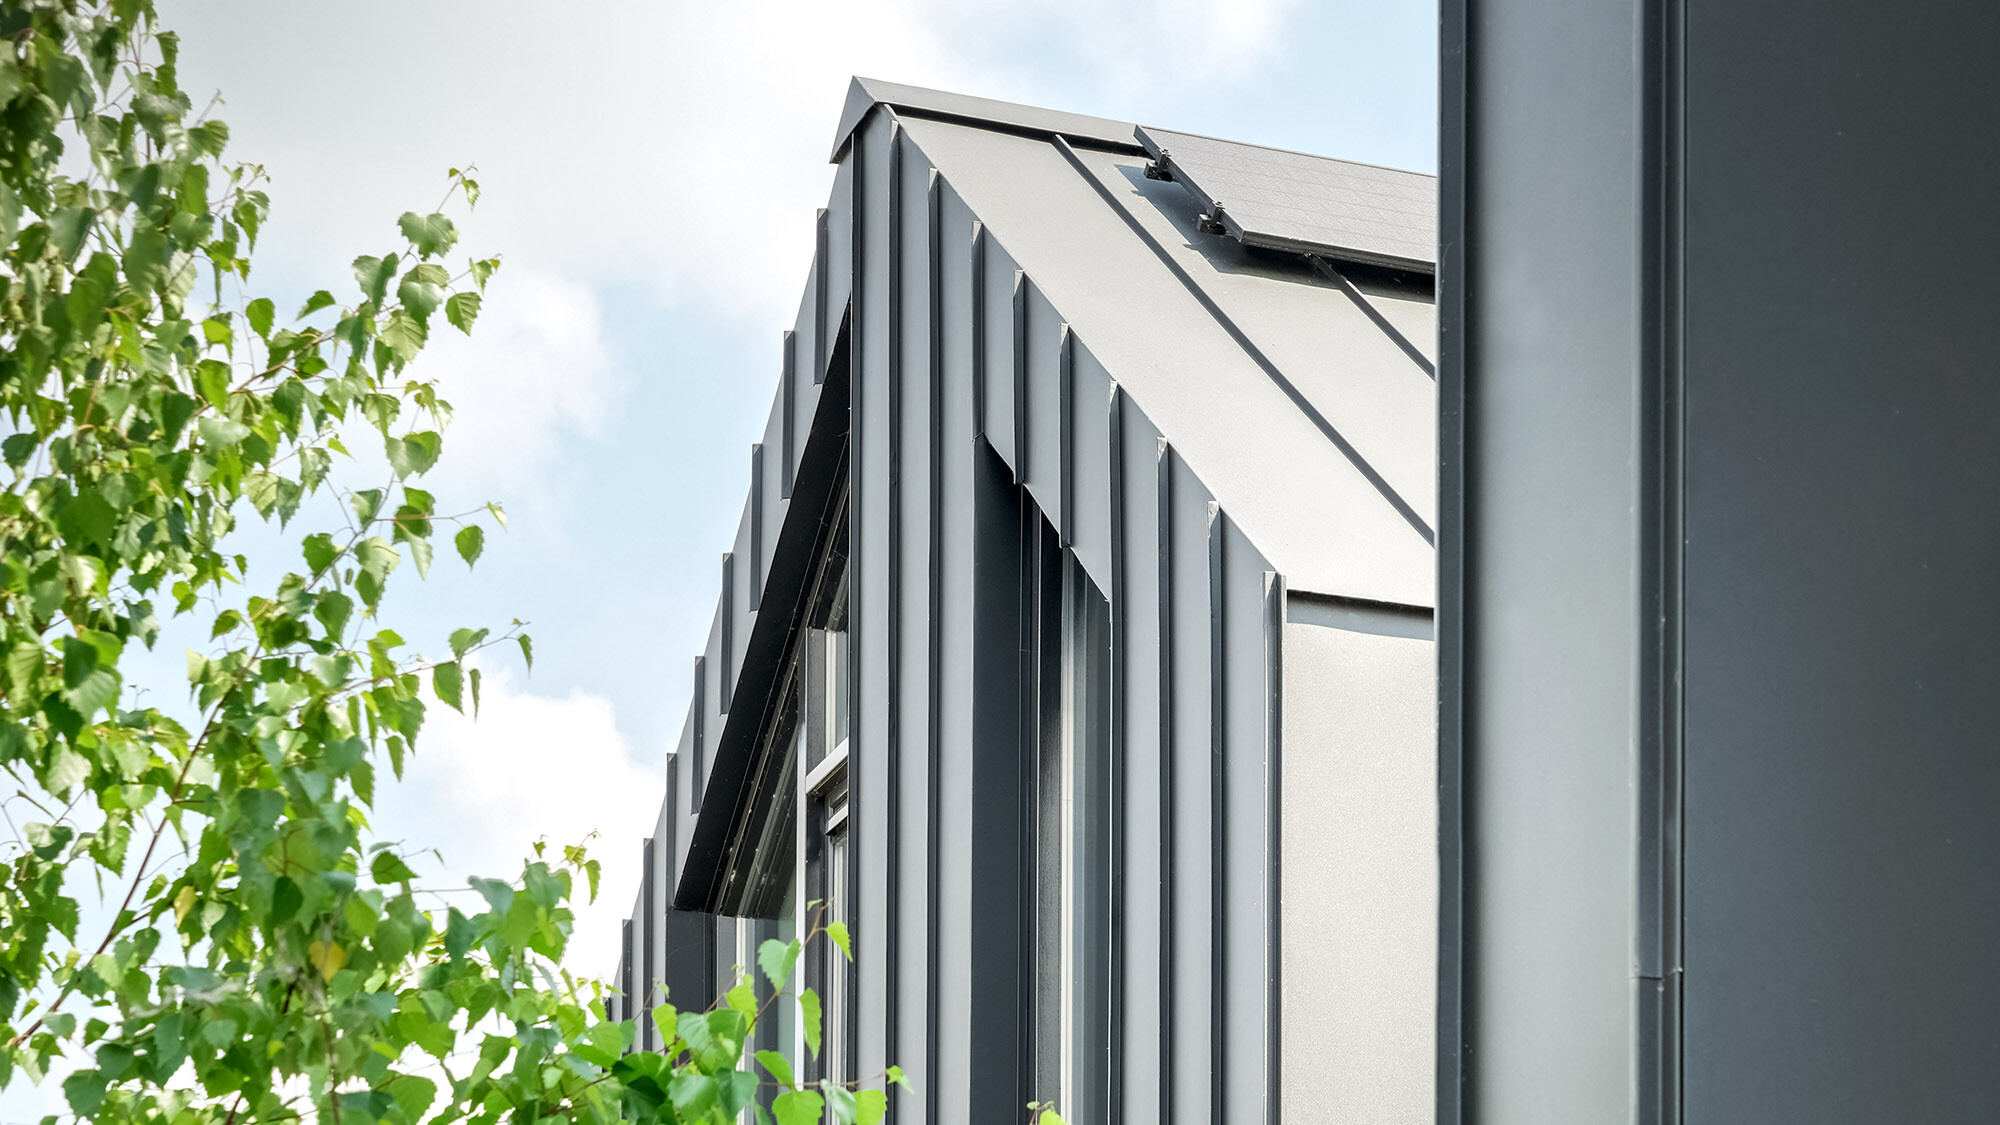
[1008,320]
[1717,653]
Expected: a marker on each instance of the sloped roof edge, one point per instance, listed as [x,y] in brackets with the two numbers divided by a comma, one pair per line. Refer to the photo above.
[864,94]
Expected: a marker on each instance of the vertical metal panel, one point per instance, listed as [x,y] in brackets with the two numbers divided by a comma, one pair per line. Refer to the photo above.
[1195,846]
[680,783]
[913,466]
[1274,776]
[1044,413]
[977,327]
[698,761]
[1169,764]
[822,307]
[644,923]
[789,412]
[870,808]
[1065,440]
[934,243]
[959,277]
[727,615]
[1136,502]
[1244,984]
[625,969]
[1540,614]
[1219,852]
[1023,427]
[756,582]
[1121,608]
[891,809]
[1088,498]
[996,410]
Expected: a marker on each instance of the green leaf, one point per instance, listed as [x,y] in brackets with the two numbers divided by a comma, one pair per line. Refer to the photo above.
[869,1106]
[221,433]
[800,1107]
[319,300]
[412,455]
[738,1089]
[389,868]
[260,313]
[776,959]
[743,998]
[837,931]
[286,899]
[413,1093]
[471,542]
[432,234]
[472,678]
[445,681]
[373,275]
[809,1018]
[693,1094]
[332,608]
[464,640]
[260,807]
[461,309]
[212,381]
[404,337]
[422,290]
[85,1091]
[839,1099]
[527,650]
[779,1068]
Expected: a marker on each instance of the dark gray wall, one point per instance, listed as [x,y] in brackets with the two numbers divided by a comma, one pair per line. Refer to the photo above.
[1843,519]
[1718,637]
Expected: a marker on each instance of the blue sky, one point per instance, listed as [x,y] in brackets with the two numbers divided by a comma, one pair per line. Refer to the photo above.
[651,172]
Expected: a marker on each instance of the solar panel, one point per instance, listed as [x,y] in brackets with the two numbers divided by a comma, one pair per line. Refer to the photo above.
[1306,204]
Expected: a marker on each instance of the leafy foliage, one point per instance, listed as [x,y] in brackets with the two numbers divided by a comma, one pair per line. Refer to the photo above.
[261,957]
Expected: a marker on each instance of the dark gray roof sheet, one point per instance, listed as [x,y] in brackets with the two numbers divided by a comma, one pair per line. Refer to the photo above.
[1312,204]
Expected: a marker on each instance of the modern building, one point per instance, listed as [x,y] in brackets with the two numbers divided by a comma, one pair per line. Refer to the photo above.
[1075,646]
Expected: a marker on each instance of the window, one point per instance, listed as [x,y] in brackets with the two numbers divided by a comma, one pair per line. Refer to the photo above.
[826,854]
[1072,839]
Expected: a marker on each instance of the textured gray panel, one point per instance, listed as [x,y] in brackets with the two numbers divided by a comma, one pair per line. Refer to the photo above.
[1293,201]
[1360,877]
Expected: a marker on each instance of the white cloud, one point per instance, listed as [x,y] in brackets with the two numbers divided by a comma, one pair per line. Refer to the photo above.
[531,767]
[677,146]
[534,374]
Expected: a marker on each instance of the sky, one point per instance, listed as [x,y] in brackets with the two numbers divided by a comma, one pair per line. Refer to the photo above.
[650,173]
